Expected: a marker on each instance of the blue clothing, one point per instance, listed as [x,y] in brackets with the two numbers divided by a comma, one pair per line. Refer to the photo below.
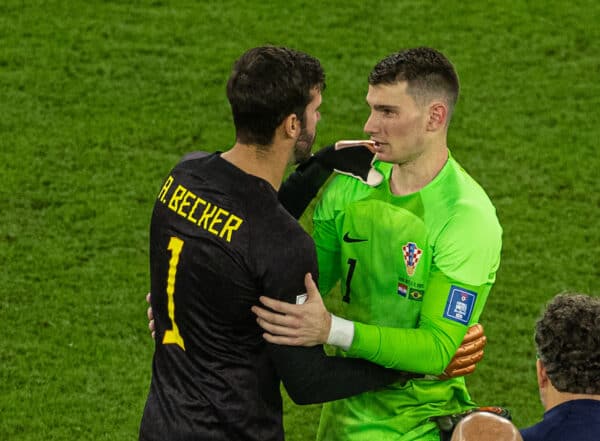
[576,420]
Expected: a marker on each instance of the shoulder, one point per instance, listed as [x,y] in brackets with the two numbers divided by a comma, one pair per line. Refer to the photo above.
[343,190]
[193,158]
[533,433]
[466,206]
[462,189]
[466,232]
[202,166]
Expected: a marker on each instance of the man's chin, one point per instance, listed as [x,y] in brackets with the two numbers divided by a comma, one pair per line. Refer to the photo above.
[301,158]
[302,154]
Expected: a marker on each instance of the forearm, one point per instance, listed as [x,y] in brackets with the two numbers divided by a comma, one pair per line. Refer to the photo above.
[431,345]
[310,376]
[425,351]
[301,187]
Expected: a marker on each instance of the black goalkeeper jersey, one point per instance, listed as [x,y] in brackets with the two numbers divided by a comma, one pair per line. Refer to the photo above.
[218,240]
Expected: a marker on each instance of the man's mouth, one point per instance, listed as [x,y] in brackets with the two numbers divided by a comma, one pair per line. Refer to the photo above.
[378,146]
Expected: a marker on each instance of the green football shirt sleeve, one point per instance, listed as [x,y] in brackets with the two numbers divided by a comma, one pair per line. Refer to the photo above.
[428,348]
[468,249]
[459,283]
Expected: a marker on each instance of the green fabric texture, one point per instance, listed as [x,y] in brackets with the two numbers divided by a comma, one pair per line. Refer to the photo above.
[415,271]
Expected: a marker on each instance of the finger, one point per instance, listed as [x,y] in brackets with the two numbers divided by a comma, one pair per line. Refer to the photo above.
[470,348]
[276,330]
[474,332]
[148,297]
[476,358]
[455,370]
[467,360]
[364,142]
[463,371]
[277,305]
[281,340]
[149,313]
[272,317]
[479,344]
[151,326]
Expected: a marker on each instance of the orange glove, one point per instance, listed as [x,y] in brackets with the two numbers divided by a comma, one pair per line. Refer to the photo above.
[467,355]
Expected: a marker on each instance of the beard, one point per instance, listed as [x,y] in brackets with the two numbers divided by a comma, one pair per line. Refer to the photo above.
[303,145]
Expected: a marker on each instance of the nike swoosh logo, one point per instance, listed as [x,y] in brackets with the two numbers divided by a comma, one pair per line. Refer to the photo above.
[351,239]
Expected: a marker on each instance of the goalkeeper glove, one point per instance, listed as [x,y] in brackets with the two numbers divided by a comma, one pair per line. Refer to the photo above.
[352,158]
[468,354]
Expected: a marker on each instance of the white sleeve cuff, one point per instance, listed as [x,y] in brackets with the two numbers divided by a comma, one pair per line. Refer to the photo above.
[341,332]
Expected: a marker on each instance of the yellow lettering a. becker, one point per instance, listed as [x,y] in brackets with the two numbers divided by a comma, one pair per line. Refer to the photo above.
[177,195]
[207,214]
[185,203]
[165,188]
[190,215]
[217,220]
[232,224]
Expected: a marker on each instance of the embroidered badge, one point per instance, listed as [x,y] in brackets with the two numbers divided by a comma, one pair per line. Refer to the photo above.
[460,305]
[402,289]
[412,254]
[416,295]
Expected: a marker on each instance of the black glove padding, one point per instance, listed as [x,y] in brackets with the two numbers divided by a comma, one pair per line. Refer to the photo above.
[352,158]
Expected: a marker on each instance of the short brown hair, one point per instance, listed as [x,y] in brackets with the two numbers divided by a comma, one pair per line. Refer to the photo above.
[427,71]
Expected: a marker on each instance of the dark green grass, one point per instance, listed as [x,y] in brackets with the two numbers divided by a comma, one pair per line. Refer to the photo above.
[99,99]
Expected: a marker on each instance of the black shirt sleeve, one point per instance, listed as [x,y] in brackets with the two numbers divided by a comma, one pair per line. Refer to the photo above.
[302,186]
[310,376]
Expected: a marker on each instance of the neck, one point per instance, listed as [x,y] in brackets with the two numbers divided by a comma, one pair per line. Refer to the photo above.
[411,176]
[268,163]
[554,397]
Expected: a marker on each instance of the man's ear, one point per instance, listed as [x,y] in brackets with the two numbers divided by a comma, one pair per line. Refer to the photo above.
[291,125]
[542,375]
[438,116]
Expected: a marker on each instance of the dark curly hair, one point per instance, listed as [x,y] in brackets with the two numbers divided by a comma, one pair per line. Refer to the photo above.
[266,85]
[567,337]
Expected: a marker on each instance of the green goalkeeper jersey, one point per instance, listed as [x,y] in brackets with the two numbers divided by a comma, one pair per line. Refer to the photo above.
[415,272]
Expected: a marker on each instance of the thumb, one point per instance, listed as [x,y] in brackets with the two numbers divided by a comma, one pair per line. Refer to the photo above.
[311,287]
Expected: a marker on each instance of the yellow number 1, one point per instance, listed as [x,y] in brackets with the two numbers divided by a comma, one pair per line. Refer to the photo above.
[172,336]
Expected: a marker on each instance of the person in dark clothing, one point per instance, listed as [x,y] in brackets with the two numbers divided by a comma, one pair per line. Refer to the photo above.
[567,337]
